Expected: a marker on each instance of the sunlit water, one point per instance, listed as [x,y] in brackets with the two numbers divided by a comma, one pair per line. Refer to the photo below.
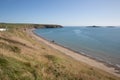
[100,43]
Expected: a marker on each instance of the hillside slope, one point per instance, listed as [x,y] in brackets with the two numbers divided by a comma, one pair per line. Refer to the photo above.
[22,57]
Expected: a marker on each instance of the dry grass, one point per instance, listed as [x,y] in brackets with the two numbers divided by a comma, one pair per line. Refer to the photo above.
[24,58]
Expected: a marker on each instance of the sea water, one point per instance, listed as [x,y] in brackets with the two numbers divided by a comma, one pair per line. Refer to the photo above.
[100,43]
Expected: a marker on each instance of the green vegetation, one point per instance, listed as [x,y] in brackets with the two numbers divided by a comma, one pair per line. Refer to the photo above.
[24,58]
[52,58]
[18,25]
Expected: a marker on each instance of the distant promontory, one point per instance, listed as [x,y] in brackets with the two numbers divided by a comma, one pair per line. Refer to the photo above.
[27,25]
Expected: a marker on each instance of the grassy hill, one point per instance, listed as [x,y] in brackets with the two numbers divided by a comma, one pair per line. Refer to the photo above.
[22,57]
[20,25]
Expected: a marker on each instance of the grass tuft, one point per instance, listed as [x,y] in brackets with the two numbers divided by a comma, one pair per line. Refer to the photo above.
[53,58]
[10,47]
[15,49]
[3,62]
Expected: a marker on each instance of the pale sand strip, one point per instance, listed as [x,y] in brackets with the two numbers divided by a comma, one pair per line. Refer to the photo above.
[76,56]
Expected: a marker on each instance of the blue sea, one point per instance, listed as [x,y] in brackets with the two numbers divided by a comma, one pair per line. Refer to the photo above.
[102,44]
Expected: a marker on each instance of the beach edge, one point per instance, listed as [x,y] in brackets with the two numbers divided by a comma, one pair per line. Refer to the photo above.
[75,55]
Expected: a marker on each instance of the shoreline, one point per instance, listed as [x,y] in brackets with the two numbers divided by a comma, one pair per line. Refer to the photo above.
[78,55]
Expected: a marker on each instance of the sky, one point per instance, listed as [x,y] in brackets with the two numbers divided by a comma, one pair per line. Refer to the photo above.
[63,12]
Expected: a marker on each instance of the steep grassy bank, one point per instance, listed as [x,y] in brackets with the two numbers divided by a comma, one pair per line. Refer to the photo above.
[24,58]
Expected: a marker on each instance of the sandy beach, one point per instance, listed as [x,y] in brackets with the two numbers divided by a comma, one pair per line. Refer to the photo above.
[75,55]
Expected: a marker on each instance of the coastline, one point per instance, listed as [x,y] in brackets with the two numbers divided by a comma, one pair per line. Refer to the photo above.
[77,55]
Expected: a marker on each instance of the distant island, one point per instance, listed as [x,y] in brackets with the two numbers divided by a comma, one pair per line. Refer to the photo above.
[110,26]
[94,26]
[101,26]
